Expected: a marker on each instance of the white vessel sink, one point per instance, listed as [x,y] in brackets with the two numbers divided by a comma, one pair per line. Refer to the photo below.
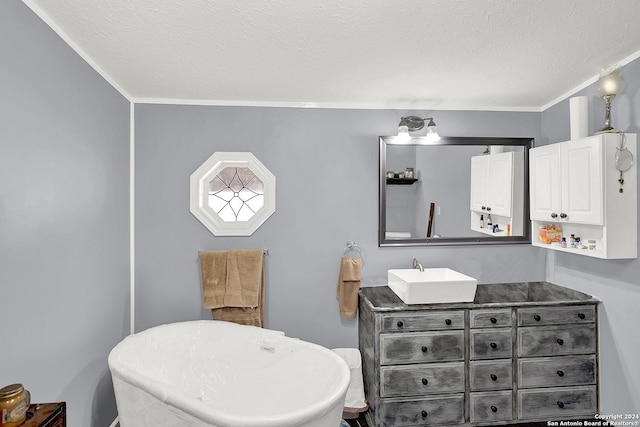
[431,286]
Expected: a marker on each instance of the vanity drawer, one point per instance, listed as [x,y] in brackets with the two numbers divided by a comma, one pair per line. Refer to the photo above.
[432,321]
[490,318]
[559,402]
[412,380]
[556,340]
[557,371]
[423,412]
[556,315]
[421,347]
[491,406]
[490,375]
[490,343]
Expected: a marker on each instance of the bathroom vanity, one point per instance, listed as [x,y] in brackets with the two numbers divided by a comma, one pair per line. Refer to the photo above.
[521,352]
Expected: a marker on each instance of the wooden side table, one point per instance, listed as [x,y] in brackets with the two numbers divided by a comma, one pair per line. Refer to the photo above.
[46,415]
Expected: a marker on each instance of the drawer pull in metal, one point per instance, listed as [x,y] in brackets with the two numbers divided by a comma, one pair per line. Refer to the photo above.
[560,373]
[447,321]
[424,348]
[425,381]
[560,341]
[581,316]
[494,409]
[493,320]
[537,317]
[424,414]
[560,404]
[493,345]
[494,377]
[400,323]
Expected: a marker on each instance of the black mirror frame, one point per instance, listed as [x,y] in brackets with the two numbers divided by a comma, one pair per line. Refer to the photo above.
[526,143]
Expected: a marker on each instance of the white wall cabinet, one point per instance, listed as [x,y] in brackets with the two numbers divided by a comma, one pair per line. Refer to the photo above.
[497,188]
[575,184]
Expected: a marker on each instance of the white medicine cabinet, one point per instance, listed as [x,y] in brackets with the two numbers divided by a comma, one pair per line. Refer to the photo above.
[578,189]
[497,189]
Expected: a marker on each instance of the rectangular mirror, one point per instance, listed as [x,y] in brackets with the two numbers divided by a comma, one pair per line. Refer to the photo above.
[455,191]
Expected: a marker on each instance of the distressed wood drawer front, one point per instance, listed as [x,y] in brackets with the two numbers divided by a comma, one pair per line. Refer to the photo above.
[490,318]
[422,379]
[492,406]
[556,340]
[556,371]
[423,412]
[491,343]
[490,375]
[559,402]
[439,320]
[422,347]
[556,315]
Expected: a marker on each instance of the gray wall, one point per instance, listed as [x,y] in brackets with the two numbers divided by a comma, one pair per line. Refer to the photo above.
[64,260]
[617,282]
[326,167]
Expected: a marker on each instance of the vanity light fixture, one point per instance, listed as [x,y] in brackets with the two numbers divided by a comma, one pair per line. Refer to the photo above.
[610,84]
[415,123]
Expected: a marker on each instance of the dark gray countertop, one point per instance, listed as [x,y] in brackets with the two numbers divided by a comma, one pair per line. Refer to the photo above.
[494,295]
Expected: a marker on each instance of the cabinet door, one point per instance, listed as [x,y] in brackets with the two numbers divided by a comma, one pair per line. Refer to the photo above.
[581,175]
[500,183]
[479,167]
[544,166]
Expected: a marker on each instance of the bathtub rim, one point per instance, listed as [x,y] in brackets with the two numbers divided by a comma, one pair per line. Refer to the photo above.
[186,403]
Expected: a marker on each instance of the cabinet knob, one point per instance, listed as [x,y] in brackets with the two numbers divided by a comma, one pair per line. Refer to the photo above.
[424,348]
[493,345]
[424,414]
[484,208]
[448,321]
[488,209]
[494,409]
[560,404]
[493,320]
[400,323]
[425,381]
[581,315]
[494,377]
[560,341]
[537,317]
[560,373]
[563,215]
[554,215]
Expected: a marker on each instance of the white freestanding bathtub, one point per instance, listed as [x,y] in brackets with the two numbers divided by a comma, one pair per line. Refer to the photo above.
[214,373]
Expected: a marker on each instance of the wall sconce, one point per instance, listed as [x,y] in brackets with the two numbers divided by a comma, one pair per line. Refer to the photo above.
[610,84]
[415,123]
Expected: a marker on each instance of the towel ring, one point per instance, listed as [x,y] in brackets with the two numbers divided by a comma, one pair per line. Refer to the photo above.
[353,246]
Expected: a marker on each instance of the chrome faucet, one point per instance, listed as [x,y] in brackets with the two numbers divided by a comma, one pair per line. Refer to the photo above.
[417,265]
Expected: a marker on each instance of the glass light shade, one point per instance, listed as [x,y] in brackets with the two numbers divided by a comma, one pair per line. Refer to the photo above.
[610,84]
[432,132]
[403,133]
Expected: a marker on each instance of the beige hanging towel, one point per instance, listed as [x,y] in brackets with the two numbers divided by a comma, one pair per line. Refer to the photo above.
[349,285]
[233,285]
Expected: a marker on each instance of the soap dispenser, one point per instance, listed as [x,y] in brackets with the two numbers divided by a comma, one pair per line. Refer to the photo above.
[489,223]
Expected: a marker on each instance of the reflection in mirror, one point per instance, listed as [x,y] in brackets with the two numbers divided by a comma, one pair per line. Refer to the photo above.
[236,194]
[459,190]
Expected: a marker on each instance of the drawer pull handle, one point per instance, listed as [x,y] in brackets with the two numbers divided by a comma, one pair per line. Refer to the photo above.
[494,377]
[447,321]
[425,381]
[424,349]
[560,404]
[493,320]
[581,316]
[560,373]
[400,323]
[537,317]
[493,345]
[494,409]
[424,414]
[560,341]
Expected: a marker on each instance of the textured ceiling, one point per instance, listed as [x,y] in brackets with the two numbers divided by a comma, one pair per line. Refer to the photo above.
[424,54]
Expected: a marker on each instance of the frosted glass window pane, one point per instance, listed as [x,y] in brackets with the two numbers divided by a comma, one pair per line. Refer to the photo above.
[236,194]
